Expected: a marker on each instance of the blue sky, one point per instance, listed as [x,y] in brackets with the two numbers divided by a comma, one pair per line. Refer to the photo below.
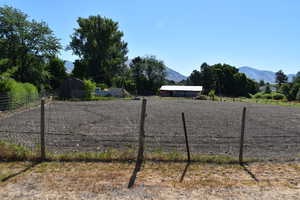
[264,34]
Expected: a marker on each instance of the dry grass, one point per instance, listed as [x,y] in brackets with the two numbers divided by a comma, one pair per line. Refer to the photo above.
[75,180]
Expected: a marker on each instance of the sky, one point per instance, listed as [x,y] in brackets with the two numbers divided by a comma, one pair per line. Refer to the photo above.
[263,34]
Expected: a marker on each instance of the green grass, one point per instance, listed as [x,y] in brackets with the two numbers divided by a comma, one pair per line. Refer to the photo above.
[12,152]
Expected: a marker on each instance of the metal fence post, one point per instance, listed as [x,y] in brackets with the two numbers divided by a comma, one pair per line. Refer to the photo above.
[242,136]
[186,138]
[42,126]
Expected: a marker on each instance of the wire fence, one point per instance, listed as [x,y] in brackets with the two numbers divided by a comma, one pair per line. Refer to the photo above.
[213,128]
[17,113]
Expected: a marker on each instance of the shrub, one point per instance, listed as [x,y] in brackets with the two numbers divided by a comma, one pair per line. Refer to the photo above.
[267,96]
[212,94]
[19,93]
[258,95]
[278,96]
[89,87]
[32,92]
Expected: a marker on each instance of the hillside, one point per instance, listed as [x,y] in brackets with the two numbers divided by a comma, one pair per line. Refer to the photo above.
[256,74]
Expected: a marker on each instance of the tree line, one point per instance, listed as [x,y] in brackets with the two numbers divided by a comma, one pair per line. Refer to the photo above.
[29,52]
[224,79]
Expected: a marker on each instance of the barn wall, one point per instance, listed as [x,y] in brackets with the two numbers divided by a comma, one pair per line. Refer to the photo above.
[178,93]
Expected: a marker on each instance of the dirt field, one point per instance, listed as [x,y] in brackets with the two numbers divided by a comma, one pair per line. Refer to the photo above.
[272,132]
[55,181]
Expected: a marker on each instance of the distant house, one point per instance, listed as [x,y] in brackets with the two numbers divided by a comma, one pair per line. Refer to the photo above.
[180,91]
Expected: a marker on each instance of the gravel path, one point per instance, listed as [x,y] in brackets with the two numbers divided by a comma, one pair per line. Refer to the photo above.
[272,132]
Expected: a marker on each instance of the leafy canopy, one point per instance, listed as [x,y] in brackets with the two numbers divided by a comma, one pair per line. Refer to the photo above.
[99,45]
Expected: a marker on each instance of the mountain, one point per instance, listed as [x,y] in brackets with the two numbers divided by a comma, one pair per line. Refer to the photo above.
[171,74]
[256,74]
[174,76]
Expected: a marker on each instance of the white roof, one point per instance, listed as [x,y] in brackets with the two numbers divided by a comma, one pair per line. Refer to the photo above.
[181,88]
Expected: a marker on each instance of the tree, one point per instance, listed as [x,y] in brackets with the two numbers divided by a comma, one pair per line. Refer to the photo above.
[26,44]
[281,77]
[262,83]
[223,79]
[99,45]
[57,70]
[155,71]
[285,89]
[195,78]
[148,74]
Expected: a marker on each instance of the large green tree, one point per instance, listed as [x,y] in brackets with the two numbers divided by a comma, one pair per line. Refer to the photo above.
[148,74]
[25,45]
[56,68]
[102,52]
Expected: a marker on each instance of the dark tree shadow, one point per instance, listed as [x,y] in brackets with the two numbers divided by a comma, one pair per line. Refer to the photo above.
[249,172]
[184,171]
[20,172]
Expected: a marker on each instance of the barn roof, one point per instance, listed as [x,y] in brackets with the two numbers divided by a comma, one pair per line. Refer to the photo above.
[181,88]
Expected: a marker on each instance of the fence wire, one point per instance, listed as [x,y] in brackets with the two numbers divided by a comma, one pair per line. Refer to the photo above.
[211,127]
[20,121]
[271,132]
[91,126]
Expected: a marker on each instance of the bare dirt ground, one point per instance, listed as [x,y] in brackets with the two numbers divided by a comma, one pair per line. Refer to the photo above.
[156,181]
[272,132]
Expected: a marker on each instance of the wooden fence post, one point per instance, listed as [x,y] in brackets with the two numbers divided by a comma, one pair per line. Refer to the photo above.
[242,136]
[186,138]
[42,126]
[140,156]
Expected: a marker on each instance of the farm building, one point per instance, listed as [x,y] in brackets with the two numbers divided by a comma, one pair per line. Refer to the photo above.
[179,91]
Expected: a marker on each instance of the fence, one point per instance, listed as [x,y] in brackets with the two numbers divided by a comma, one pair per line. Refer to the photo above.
[213,128]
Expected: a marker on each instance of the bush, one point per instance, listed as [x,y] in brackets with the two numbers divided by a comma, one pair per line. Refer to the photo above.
[89,87]
[32,92]
[278,96]
[212,94]
[19,93]
[258,95]
[267,96]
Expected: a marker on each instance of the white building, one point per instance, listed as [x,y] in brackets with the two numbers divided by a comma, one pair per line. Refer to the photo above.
[180,91]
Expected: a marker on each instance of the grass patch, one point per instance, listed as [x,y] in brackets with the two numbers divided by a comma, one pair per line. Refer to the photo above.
[12,152]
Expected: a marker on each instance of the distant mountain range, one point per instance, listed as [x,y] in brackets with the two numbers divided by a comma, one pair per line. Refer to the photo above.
[171,74]
[256,74]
